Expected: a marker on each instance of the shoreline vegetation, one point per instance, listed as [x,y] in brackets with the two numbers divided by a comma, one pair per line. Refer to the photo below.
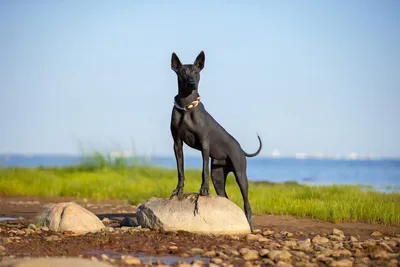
[101,177]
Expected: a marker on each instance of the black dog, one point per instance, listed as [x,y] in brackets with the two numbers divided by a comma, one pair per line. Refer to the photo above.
[192,124]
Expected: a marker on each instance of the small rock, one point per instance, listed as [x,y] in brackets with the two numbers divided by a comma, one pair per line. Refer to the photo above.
[2,248]
[267,262]
[45,228]
[110,229]
[341,253]
[272,254]
[232,252]
[379,254]
[251,237]
[216,260]
[336,238]
[318,240]
[290,244]
[198,262]
[106,220]
[222,255]
[268,233]
[196,251]
[341,263]
[283,264]
[386,247]
[127,222]
[243,250]
[376,233]
[337,232]
[257,231]
[393,263]
[209,254]
[251,255]
[284,256]
[173,249]
[104,257]
[234,237]
[32,226]
[52,238]
[263,252]
[353,239]
[131,260]
[263,239]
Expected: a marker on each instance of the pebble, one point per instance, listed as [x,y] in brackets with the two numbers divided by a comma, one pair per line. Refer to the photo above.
[52,238]
[318,239]
[104,257]
[379,254]
[2,248]
[341,263]
[250,255]
[106,220]
[393,263]
[173,249]
[268,233]
[284,256]
[252,237]
[376,233]
[216,260]
[131,260]
[209,254]
[196,251]
[32,226]
[232,252]
[337,232]
[353,239]
[257,231]
[263,252]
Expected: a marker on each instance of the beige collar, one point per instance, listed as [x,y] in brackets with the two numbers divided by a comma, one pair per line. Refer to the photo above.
[194,104]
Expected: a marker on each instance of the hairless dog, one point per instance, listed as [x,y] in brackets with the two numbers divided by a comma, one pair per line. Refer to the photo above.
[192,124]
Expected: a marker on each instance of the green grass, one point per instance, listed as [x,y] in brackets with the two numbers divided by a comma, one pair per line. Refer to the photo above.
[102,178]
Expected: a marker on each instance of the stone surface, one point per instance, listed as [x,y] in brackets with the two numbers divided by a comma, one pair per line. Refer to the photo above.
[69,216]
[217,215]
[51,262]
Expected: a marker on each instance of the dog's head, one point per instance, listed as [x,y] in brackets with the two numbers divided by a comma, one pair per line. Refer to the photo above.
[188,74]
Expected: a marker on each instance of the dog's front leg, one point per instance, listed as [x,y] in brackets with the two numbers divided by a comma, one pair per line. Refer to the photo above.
[178,150]
[205,153]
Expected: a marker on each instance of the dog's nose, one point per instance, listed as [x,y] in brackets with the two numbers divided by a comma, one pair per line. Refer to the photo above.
[192,82]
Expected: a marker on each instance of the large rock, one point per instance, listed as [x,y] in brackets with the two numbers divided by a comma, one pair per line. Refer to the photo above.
[69,216]
[216,215]
[51,262]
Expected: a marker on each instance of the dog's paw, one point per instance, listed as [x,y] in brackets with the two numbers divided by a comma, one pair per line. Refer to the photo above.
[177,191]
[204,192]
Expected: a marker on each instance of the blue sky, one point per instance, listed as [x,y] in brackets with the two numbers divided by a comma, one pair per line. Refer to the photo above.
[308,76]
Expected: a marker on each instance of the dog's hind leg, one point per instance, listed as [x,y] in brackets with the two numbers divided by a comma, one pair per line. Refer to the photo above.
[241,179]
[219,173]
[239,170]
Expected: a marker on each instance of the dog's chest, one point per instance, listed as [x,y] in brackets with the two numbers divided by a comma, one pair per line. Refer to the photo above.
[186,129]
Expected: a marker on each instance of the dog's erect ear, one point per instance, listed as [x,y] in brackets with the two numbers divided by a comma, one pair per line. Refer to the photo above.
[199,62]
[175,62]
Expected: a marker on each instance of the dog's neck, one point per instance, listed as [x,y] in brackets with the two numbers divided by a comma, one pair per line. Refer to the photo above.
[182,101]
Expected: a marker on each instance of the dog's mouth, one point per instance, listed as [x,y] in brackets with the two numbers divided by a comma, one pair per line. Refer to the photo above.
[191,84]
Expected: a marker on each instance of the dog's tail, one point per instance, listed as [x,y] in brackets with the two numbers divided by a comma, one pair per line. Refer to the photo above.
[257,152]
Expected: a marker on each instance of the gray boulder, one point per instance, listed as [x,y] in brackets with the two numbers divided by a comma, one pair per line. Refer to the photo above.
[69,216]
[216,215]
